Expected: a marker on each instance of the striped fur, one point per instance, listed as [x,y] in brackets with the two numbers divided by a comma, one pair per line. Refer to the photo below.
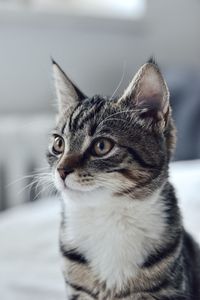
[121,234]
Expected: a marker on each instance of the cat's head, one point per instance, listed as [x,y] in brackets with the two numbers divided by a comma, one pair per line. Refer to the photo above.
[122,144]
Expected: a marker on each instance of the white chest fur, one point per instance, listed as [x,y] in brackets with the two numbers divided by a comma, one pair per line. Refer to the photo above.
[115,234]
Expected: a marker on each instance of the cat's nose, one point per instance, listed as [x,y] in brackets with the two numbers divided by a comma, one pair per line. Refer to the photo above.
[64,172]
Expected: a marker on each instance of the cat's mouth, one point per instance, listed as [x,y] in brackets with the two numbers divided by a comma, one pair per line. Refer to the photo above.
[72,185]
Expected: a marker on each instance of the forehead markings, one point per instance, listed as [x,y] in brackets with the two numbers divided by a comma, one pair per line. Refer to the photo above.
[74,115]
[79,117]
[92,113]
[87,111]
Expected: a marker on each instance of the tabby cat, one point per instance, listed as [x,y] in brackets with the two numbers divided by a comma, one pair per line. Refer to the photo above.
[121,233]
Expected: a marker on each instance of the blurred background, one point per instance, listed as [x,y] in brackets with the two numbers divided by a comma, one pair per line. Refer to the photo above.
[97,43]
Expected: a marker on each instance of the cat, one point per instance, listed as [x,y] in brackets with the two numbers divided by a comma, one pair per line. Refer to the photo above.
[121,234]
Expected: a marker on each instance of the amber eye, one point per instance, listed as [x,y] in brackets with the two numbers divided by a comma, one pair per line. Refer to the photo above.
[102,147]
[58,145]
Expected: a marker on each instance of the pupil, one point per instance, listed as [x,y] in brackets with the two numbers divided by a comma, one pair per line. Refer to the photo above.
[59,143]
[101,146]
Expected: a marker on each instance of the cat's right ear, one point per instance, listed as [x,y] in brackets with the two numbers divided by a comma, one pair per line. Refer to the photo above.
[68,94]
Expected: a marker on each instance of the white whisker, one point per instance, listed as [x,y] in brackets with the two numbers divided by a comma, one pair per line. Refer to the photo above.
[19,179]
[119,112]
[121,80]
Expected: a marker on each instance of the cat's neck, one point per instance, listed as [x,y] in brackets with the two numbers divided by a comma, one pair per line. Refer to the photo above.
[115,234]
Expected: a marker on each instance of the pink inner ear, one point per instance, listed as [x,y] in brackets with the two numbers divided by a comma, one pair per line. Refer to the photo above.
[150,86]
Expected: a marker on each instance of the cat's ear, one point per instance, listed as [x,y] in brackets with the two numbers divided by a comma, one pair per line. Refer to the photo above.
[68,94]
[149,95]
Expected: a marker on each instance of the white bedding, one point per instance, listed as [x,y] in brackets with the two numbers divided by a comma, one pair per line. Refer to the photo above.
[29,259]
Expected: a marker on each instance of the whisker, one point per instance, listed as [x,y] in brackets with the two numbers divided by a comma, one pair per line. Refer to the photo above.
[41,169]
[26,187]
[121,80]
[19,179]
[111,185]
[34,174]
[50,188]
[119,112]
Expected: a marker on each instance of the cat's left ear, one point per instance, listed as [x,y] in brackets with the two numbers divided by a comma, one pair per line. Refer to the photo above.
[68,94]
[149,95]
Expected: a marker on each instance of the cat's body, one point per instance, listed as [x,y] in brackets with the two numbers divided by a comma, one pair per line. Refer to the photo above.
[121,233]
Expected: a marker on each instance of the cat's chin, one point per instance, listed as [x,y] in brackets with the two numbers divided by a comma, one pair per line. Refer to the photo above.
[78,188]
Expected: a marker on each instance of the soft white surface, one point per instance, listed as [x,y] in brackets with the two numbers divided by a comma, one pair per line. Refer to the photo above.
[186,179]
[29,256]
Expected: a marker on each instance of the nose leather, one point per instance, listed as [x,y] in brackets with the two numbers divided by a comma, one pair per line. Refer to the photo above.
[68,164]
[64,172]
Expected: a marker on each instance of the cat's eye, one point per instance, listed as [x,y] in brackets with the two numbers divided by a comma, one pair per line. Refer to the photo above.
[102,147]
[58,145]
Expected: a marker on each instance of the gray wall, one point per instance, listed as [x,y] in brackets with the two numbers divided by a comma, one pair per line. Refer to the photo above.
[92,51]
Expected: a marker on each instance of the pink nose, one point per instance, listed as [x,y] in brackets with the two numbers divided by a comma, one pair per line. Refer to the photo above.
[64,172]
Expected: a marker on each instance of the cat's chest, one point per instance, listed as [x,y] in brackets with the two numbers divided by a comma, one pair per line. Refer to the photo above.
[114,239]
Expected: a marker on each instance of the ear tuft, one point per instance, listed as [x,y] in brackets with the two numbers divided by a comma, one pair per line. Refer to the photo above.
[68,94]
[152,61]
[52,61]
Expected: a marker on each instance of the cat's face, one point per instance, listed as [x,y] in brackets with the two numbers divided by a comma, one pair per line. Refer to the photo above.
[122,145]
